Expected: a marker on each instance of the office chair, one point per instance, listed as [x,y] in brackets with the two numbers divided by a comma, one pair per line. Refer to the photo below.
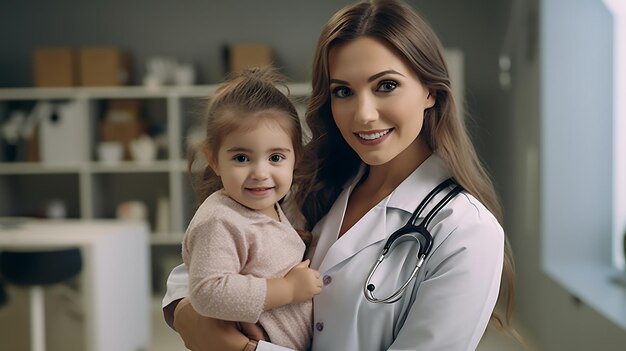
[36,269]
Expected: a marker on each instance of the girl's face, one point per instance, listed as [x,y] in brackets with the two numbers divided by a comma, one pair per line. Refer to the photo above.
[256,164]
[377,100]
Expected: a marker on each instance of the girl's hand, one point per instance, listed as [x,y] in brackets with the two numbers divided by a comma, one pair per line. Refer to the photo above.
[304,282]
[206,334]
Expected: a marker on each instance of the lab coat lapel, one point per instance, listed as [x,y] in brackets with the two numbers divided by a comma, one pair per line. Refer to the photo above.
[418,184]
[368,230]
[372,227]
[330,224]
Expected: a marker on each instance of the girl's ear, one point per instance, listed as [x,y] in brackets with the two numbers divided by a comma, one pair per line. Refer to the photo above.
[210,159]
[430,99]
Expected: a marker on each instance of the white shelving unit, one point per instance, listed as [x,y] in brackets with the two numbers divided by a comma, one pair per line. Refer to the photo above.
[91,189]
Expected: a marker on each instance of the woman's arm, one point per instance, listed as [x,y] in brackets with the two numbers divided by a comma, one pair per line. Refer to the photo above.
[201,333]
[454,303]
[207,334]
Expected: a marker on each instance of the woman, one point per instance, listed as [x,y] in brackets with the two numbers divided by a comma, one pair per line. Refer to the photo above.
[386,133]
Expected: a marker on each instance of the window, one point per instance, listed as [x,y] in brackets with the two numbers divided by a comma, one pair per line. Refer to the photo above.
[618,9]
[583,150]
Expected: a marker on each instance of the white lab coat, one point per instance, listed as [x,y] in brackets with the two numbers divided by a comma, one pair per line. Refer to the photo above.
[449,305]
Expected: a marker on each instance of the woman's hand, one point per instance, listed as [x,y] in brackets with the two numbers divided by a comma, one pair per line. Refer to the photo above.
[253,331]
[206,334]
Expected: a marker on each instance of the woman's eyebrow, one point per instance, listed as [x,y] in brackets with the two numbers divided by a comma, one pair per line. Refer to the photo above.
[380,74]
[370,79]
[337,81]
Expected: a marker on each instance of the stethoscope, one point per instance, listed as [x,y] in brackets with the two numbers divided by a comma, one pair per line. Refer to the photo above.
[410,231]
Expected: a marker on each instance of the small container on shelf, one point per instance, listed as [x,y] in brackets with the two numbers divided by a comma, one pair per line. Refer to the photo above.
[110,152]
[143,149]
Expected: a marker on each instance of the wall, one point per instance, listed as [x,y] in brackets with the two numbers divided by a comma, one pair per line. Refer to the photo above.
[577,94]
[556,319]
[193,30]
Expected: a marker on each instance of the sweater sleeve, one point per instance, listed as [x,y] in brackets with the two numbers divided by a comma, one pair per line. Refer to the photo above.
[215,251]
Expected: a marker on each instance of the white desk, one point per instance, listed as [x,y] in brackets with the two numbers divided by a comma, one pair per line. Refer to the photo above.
[114,278]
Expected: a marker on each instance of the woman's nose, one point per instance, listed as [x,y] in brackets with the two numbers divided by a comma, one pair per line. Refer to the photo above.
[365,110]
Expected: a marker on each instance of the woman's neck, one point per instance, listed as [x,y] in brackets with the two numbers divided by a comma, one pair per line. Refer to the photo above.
[383,179]
[380,181]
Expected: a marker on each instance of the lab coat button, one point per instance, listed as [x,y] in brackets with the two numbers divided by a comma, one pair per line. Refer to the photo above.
[319,326]
[327,279]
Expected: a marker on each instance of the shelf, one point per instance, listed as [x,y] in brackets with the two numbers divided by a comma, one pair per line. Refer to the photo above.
[159,192]
[39,168]
[296,89]
[131,167]
[94,167]
[103,92]
[166,239]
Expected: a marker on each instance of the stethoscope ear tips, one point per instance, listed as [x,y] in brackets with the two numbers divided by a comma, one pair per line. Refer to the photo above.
[371,287]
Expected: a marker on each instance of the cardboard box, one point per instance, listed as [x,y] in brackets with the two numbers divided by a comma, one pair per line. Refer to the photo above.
[103,66]
[242,56]
[32,147]
[123,132]
[54,67]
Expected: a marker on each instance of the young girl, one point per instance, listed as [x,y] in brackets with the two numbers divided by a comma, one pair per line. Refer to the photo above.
[243,256]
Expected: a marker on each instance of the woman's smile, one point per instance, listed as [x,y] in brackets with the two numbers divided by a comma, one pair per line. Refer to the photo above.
[373,137]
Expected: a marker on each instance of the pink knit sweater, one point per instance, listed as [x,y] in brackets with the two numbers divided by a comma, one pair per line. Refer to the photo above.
[230,251]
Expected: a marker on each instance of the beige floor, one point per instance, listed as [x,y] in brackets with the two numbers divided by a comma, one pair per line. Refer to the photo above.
[164,339]
[64,328]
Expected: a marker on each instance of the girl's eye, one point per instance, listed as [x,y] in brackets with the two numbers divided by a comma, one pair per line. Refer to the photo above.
[241,158]
[387,86]
[276,158]
[341,92]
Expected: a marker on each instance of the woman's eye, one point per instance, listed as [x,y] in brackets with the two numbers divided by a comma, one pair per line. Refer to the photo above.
[241,158]
[341,92]
[276,158]
[387,86]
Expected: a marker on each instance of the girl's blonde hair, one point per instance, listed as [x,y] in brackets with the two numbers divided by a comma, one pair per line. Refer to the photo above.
[332,162]
[237,104]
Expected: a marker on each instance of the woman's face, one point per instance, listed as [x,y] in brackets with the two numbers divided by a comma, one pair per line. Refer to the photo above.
[377,100]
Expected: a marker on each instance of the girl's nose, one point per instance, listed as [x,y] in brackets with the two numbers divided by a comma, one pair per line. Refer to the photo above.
[260,171]
[365,110]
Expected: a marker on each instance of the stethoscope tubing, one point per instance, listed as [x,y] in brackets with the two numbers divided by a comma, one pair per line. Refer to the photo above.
[410,227]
